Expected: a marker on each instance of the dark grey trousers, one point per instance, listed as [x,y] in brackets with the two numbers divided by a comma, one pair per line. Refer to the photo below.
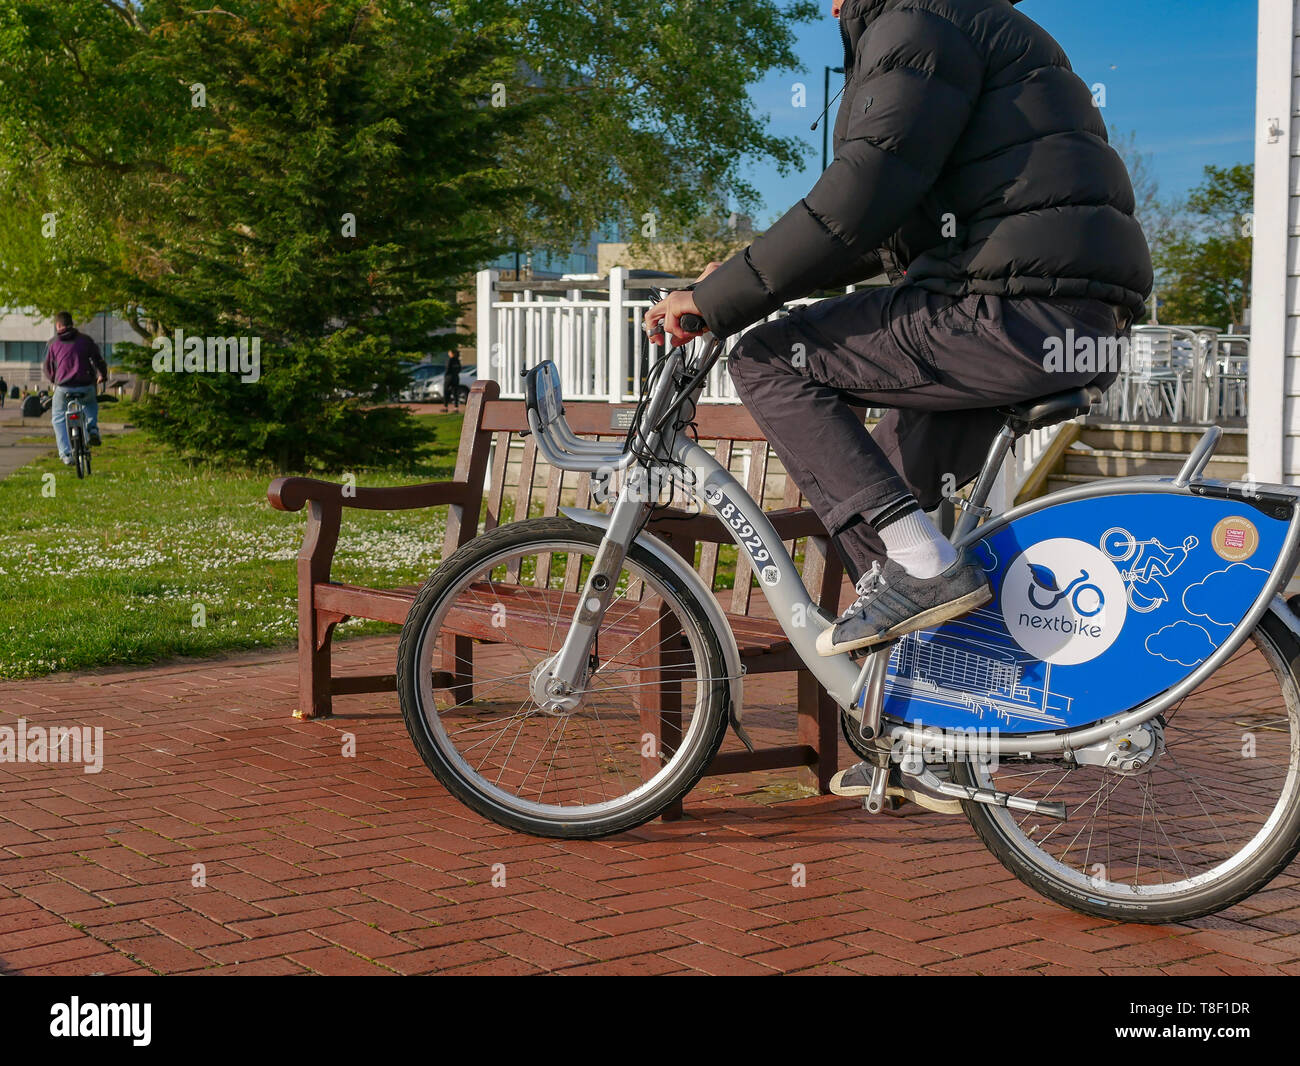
[940,363]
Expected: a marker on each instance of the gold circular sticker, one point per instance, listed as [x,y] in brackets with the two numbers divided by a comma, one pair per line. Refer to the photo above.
[1235,539]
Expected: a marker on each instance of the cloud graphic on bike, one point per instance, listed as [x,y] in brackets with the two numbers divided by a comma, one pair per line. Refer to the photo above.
[1223,596]
[1182,642]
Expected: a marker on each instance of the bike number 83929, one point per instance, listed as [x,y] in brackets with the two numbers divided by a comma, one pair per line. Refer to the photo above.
[749,539]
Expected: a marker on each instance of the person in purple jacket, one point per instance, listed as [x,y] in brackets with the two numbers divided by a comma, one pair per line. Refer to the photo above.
[74,365]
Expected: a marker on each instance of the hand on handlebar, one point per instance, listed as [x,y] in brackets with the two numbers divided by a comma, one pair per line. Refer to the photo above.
[677,316]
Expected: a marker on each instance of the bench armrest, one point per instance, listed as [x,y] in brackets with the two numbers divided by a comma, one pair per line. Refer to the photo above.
[292,494]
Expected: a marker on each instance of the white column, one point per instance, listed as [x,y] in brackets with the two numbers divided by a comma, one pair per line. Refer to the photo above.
[1268,349]
[617,334]
[490,361]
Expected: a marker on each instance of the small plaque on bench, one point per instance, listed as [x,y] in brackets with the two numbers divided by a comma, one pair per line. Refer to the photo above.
[622,419]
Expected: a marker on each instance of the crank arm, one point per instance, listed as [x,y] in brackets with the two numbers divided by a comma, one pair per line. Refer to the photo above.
[991,797]
[867,701]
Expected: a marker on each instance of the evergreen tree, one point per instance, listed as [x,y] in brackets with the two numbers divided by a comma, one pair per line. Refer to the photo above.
[315,177]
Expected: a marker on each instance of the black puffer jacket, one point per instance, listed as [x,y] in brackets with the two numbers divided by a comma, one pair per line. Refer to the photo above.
[967,155]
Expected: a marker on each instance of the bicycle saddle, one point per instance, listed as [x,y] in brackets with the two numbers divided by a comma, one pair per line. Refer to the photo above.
[1029,415]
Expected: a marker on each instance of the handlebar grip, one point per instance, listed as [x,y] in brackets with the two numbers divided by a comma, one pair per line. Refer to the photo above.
[693,324]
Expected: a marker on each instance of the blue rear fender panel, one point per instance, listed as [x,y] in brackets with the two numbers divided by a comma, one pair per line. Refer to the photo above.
[1099,605]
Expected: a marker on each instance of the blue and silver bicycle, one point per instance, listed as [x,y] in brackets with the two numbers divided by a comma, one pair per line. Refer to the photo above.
[1121,724]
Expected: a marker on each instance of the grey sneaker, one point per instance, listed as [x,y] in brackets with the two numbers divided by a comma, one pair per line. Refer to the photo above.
[856,781]
[891,602]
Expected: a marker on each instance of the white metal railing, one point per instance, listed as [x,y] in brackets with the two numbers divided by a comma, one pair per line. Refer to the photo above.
[1019,465]
[589,327]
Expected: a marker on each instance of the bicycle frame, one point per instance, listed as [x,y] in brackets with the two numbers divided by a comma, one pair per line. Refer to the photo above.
[716,489]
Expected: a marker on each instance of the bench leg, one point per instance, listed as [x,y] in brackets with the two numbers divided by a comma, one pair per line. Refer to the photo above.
[659,702]
[819,728]
[458,660]
[315,633]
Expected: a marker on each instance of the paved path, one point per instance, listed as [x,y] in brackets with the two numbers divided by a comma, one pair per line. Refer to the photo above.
[15,429]
[16,432]
[224,836]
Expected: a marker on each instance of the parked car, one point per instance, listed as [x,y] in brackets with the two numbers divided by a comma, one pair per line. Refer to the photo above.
[468,375]
[419,377]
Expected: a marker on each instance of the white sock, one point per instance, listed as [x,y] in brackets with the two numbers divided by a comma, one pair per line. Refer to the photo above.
[915,544]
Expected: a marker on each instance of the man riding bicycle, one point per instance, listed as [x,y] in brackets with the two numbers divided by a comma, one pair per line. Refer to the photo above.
[74,364]
[971,165]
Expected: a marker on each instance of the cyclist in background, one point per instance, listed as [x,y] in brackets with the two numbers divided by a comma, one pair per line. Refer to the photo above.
[74,365]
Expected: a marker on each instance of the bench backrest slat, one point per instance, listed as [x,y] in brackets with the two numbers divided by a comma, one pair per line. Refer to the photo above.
[524,498]
[755,485]
[496,494]
[471,469]
[573,564]
[709,552]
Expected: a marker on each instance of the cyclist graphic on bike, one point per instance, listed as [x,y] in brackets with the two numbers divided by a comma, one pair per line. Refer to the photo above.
[1149,560]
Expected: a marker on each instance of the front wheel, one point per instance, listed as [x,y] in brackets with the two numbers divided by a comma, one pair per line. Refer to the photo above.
[636,735]
[1209,820]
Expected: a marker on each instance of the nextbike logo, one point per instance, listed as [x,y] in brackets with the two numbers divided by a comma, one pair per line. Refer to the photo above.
[1063,601]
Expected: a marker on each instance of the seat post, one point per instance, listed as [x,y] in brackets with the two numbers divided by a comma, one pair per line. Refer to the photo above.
[974,509]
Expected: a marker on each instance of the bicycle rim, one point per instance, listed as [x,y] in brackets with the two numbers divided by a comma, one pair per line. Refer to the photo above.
[1207,822]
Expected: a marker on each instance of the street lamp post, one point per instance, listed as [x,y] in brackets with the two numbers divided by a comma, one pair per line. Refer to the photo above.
[826,106]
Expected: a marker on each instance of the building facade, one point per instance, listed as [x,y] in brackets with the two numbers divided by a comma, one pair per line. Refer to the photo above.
[1274,387]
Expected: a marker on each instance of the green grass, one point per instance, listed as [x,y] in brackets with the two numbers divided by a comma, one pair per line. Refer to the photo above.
[114,569]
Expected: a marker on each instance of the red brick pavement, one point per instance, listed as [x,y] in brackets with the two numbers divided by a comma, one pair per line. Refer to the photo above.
[320,863]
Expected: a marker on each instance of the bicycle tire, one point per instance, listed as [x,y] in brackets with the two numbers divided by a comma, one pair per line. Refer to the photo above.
[1281,652]
[558,535]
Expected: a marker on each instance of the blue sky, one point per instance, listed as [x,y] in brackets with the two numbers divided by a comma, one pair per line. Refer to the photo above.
[1183,80]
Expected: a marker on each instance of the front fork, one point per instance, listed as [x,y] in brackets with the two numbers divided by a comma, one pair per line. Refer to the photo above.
[569,668]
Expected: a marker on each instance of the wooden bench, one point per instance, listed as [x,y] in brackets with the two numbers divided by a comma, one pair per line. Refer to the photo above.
[489,427]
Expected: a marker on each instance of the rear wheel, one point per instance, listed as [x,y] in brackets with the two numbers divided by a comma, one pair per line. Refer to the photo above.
[636,735]
[80,456]
[1209,820]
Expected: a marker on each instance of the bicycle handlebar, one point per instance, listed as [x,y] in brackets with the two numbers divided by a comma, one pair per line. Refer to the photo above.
[690,323]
